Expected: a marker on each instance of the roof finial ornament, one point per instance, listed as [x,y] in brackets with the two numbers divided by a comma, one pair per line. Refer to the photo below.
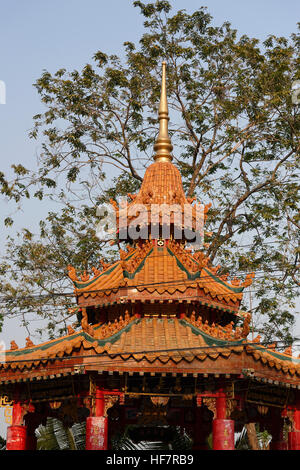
[163,146]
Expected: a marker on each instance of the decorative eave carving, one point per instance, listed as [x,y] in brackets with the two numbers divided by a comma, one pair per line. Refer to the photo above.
[249,279]
[85,324]
[85,276]
[109,329]
[29,343]
[227,333]
[71,330]
[141,252]
[13,345]
[192,263]
[72,273]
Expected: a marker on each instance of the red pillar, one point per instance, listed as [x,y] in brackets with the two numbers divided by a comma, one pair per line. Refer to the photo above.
[294,436]
[17,432]
[96,426]
[223,429]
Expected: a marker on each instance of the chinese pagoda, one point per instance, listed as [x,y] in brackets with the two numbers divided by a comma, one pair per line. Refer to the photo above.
[162,342]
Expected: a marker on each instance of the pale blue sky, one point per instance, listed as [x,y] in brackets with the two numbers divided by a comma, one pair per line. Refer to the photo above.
[37,35]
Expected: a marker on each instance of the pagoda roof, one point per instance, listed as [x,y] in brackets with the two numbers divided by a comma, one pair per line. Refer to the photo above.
[159,270]
[161,200]
[160,267]
[148,342]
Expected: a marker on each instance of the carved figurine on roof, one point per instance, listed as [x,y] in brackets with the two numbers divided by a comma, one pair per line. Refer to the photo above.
[159,312]
[157,265]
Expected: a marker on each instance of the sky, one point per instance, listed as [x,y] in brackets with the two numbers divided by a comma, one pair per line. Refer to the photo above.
[37,36]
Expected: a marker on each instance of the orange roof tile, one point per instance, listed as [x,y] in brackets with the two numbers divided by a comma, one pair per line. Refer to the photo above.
[152,339]
[159,270]
[161,191]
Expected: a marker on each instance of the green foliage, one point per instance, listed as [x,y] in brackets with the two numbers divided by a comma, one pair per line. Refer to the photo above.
[55,436]
[180,442]
[34,278]
[235,133]
[241,441]
[2,443]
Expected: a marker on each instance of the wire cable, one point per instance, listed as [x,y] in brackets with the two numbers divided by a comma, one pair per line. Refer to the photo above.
[234,344]
[172,283]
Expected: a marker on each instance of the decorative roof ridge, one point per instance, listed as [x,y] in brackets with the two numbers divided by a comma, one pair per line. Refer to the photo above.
[247,282]
[186,257]
[278,360]
[157,351]
[224,335]
[133,264]
[98,274]
[216,278]
[191,276]
[185,261]
[86,281]
[44,345]
[108,330]
[82,336]
[276,354]
[100,330]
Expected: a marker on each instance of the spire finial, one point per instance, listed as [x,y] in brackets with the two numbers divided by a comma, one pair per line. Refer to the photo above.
[163,146]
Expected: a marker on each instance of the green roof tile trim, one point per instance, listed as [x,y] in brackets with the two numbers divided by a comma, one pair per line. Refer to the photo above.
[101,342]
[210,340]
[237,290]
[138,269]
[191,276]
[197,275]
[277,355]
[112,339]
[41,347]
[81,285]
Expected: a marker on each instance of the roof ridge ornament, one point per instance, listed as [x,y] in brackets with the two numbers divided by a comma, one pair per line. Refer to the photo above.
[163,146]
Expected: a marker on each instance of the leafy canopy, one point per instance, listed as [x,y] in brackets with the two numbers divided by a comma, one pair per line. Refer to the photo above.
[235,133]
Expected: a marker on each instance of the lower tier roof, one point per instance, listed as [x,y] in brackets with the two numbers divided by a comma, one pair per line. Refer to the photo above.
[148,344]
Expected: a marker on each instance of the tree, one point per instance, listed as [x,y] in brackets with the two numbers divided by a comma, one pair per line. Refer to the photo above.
[235,132]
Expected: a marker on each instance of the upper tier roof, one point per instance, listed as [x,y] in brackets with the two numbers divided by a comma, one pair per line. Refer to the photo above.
[158,270]
[170,268]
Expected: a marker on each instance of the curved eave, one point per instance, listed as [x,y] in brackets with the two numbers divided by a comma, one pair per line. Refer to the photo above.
[58,348]
[274,359]
[152,341]
[158,275]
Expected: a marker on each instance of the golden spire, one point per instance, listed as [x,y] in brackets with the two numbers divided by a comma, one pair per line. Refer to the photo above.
[163,146]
